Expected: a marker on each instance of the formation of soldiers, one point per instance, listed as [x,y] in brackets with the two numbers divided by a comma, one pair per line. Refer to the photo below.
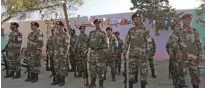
[106,49]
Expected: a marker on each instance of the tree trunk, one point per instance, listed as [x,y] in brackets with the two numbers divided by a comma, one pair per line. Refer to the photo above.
[66,16]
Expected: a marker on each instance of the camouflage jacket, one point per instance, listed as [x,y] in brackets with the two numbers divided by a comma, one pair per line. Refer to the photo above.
[119,48]
[60,43]
[137,38]
[14,42]
[187,42]
[49,45]
[112,43]
[97,40]
[35,42]
[72,43]
[81,44]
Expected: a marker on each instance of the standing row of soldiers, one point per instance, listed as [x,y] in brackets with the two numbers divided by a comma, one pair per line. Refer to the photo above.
[185,52]
[105,50]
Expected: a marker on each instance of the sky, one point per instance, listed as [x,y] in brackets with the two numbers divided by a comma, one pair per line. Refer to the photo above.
[100,7]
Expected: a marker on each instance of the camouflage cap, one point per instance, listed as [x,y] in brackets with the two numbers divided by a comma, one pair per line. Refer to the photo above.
[16,24]
[60,23]
[187,16]
[35,23]
[97,21]
[137,14]
[81,27]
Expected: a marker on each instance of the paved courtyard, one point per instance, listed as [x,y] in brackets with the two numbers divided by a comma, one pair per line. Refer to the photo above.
[161,81]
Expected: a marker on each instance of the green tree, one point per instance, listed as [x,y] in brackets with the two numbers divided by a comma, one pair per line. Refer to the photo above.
[200,11]
[157,10]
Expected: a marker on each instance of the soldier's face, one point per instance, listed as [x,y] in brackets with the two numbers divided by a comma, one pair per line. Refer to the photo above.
[12,26]
[82,30]
[117,35]
[186,21]
[109,31]
[97,25]
[33,27]
[136,20]
[58,27]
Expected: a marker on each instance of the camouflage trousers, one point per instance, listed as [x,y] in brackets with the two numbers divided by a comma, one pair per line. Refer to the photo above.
[118,63]
[171,66]
[60,65]
[181,71]
[138,64]
[151,63]
[14,61]
[97,65]
[111,63]
[80,64]
[73,61]
[34,62]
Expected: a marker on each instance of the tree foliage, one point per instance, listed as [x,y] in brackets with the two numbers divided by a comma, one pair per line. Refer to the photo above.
[200,11]
[157,10]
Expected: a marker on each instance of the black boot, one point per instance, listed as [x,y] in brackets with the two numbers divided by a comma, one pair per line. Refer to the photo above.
[28,77]
[101,83]
[113,78]
[62,81]
[130,84]
[143,84]
[153,73]
[92,83]
[56,81]
[34,78]
[17,75]
[195,86]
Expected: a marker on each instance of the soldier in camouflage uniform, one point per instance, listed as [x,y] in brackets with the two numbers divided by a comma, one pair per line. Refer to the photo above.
[81,47]
[118,52]
[34,45]
[169,49]
[72,51]
[60,44]
[111,58]
[188,53]
[98,46]
[13,48]
[137,38]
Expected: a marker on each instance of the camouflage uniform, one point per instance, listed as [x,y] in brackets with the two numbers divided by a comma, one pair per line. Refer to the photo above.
[152,47]
[137,38]
[14,47]
[49,46]
[186,41]
[112,44]
[72,51]
[97,43]
[81,47]
[118,52]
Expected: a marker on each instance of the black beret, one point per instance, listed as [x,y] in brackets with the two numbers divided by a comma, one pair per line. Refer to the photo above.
[35,23]
[136,15]
[60,23]
[109,28]
[16,24]
[97,21]
[186,16]
[82,27]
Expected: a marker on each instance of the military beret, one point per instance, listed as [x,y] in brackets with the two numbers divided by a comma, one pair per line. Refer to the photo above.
[136,15]
[16,24]
[186,16]
[109,28]
[35,23]
[82,27]
[97,21]
[60,23]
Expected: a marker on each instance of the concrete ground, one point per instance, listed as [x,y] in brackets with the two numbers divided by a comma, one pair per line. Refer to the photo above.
[161,81]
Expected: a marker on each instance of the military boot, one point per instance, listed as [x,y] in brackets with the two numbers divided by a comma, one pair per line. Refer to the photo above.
[62,81]
[57,81]
[130,84]
[143,84]
[17,75]
[34,78]
[101,83]
[153,73]
[28,77]
[92,83]
[195,86]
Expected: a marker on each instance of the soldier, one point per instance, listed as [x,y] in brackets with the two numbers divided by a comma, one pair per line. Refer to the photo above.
[118,53]
[137,38]
[112,44]
[81,47]
[72,51]
[188,53]
[34,45]
[13,49]
[60,46]
[98,46]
